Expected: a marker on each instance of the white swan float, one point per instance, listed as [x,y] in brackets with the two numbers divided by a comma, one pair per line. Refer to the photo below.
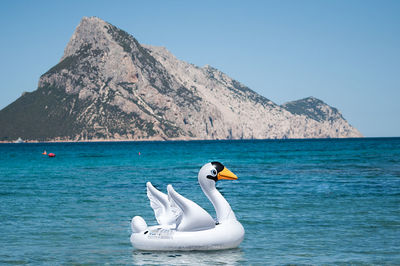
[184,225]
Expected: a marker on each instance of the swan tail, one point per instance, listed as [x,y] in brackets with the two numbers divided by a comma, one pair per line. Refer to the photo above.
[138,224]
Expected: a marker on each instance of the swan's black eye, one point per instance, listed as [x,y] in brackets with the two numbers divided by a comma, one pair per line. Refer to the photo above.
[214,172]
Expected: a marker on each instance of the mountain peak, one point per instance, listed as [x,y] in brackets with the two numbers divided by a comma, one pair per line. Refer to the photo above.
[91,30]
[92,19]
[313,108]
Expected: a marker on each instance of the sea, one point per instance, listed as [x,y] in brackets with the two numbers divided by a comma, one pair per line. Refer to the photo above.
[301,202]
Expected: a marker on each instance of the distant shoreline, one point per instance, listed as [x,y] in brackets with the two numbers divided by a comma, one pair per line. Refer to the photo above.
[181,139]
[101,140]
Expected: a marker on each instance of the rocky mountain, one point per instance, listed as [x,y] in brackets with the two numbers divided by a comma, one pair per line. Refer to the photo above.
[108,86]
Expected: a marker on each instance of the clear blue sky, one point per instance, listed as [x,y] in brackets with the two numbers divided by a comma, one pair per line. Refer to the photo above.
[346,53]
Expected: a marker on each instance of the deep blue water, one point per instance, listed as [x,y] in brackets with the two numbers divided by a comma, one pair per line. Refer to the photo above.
[300,201]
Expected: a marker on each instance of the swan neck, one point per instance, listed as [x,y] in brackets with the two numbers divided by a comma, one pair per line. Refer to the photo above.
[221,206]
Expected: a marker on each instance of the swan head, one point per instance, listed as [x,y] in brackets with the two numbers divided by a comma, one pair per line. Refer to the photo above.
[210,173]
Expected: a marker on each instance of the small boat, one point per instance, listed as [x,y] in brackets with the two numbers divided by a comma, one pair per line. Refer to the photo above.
[19,140]
[51,154]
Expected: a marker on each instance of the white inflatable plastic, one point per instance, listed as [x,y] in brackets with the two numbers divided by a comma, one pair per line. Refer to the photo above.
[184,225]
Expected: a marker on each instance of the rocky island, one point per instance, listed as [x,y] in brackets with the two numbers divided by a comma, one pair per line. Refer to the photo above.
[108,86]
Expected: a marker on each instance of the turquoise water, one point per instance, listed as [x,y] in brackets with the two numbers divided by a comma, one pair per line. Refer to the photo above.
[300,201]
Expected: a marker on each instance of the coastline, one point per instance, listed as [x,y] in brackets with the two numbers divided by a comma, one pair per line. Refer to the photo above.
[178,139]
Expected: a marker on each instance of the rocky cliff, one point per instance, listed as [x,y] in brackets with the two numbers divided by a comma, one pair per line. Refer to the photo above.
[107,86]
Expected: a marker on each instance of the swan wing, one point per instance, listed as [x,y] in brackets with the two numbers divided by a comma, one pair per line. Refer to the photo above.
[160,204]
[191,216]
[175,209]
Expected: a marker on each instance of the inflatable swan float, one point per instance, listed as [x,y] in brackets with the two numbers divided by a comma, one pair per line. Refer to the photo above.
[184,225]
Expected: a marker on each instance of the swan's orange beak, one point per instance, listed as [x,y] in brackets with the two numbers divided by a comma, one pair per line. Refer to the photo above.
[226,174]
